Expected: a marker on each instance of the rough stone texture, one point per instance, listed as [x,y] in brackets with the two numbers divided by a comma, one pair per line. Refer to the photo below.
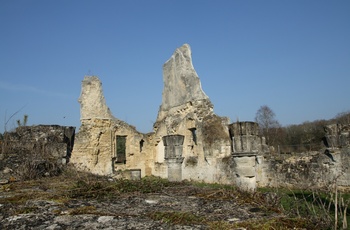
[337,135]
[247,145]
[186,110]
[127,211]
[320,169]
[95,144]
[246,139]
[306,170]
[96,150]
[173,156]
[54,140]
[181,82]
[92,101]
[212,150]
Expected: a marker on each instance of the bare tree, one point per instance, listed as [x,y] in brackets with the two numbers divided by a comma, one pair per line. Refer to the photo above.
[265,117]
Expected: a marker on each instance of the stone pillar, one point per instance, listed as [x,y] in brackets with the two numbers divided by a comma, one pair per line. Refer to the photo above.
[245,137]
[246,144]
[245,170]
[173,156]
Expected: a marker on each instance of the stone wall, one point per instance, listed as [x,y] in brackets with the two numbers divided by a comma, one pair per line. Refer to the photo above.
[190,142]
[306,170]
[322,168]
[53,140]
[96,145]
[185,110]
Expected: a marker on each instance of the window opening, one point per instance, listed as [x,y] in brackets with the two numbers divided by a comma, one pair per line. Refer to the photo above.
[141,144]
[121,149]
[194,135]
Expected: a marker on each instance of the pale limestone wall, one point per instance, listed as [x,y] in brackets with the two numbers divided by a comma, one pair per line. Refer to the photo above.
[306,170]
[95,144]
[213,151]
[95,148]
[186,110]
[92,101]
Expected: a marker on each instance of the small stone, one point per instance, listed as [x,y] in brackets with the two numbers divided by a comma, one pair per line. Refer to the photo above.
[233,219]
[4,181]
[7,170]
[104,219]
[53,227]
[151,201]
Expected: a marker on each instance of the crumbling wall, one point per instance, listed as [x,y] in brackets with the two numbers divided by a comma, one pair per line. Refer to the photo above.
[323,168]
[307,170]
[96,149]
[212,149]
[53,140]
[337,136]
[186,110]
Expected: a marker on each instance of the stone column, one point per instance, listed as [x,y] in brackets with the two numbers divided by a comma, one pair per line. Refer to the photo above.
[245,165]
[246,144]
[173,156]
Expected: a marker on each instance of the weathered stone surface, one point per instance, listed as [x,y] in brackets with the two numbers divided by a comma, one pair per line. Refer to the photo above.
[246,139]
[186,110]
[127,211]
[92,101]
[181,82]
[306,170]
[96,142]
[337,135]
[211,148]
[54,140]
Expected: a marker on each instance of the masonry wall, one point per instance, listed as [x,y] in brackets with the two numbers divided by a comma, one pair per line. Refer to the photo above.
[53,140]
[96,148]
[212,150]
[307,170]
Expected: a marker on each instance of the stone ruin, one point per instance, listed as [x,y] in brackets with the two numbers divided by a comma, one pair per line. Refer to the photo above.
[30,152]
[189,141]
[54,140]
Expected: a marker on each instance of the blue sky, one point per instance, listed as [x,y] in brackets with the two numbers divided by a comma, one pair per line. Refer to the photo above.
[293,56]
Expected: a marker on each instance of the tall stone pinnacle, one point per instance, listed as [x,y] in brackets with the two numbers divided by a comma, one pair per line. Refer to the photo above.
[92,101]
[181,82]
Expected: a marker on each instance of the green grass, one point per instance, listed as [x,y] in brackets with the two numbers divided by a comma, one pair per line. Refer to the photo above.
[317,205]
[183,218]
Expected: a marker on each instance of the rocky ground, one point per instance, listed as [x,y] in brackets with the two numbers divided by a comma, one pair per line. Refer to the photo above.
[81,201]
[36,195]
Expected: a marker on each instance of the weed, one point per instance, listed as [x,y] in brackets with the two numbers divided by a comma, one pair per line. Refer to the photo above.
[82,210]
[282,223]
[26,210]
[183,218]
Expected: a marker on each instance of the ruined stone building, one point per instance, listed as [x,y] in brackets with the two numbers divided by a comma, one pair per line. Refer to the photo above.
[190,142]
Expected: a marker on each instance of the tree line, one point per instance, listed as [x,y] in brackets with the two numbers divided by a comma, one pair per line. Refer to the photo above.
[295,138]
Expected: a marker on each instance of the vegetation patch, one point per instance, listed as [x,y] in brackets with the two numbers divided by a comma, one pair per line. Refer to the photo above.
[80,193]
[281,223]
[174,218]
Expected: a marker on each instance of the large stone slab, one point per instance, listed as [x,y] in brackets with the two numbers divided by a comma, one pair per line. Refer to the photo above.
[181,82]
